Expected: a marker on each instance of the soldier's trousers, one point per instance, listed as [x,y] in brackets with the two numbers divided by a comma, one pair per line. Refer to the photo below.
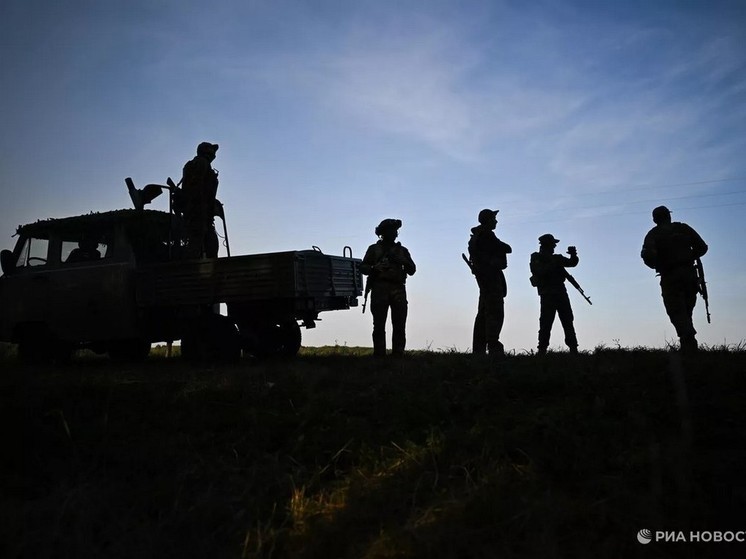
[383,296]
[201,238]
[489,322]
[551,305]
[679,292]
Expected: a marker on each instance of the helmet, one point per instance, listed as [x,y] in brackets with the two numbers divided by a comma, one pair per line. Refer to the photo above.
[486,215]
[548,239]
[388,225]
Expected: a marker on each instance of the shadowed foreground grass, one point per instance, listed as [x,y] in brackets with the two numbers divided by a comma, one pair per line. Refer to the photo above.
[336,454]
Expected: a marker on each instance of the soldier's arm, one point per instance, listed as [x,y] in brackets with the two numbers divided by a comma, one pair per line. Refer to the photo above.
[366,267]
[699,247]
[193,176]
[649,254]
[405,259]
[570,262]
[539,266]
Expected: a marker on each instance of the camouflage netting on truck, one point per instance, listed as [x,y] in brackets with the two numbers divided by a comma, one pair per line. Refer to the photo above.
[153,235]
[148,223]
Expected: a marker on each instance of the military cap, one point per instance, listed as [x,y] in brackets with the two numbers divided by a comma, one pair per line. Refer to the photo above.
[388,225]
[548,239]
[207,147]
[486,215]
[660,212]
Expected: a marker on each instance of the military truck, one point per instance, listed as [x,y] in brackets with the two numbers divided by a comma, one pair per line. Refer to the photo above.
[117,282]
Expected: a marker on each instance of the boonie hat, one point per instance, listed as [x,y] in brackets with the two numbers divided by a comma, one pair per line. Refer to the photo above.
[548,239]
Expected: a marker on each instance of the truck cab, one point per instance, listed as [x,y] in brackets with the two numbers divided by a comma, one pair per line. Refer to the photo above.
[70,282]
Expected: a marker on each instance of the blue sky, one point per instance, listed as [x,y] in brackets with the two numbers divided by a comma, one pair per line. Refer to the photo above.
[572,118]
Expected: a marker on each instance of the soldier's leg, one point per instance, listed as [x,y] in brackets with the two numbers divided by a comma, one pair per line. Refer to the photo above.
[678,303]
[564,310]
[379,308]
[679,298]
[210,242]
[399,308]
[546,319]
[194,234]
[495,311]
[689,343]
[479,337]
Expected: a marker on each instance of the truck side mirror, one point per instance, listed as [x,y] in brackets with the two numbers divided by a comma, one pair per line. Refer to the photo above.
[7,261]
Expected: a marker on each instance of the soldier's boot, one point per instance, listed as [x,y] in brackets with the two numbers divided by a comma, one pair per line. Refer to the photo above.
[688,344]
[497,350]
[541,350]
[573,350]
[479,349]
[379,344]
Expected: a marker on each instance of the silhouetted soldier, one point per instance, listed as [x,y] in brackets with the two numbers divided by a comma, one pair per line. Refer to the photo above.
[199,187]
[387,264]
[548,276]
[489,257]
[672,249]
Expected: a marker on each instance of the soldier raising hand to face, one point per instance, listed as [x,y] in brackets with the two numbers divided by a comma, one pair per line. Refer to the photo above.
[548,275]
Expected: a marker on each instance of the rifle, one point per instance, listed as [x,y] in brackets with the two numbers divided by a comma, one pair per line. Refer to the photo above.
[702,286]
[468,262]
[367,290]
[576,285]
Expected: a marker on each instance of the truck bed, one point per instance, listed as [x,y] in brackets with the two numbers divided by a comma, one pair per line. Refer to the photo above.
[250,279]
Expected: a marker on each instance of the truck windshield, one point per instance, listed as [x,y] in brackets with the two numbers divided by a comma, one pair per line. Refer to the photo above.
[34,252]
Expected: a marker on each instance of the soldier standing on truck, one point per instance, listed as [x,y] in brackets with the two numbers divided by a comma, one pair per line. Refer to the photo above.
[488,258]
[548,275]
[387,264]
[672,249]
[199,188]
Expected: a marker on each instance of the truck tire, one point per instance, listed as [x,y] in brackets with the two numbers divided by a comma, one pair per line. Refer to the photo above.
[37,345]
[281,339]
[290,338]
[211,338]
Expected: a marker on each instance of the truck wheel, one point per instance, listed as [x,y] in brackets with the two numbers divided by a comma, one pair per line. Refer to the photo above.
[212,338]
[129,351]
[37,345]
[273,339]
[289,336]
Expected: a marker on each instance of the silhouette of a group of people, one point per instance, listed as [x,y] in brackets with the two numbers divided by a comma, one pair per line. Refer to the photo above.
[671,248]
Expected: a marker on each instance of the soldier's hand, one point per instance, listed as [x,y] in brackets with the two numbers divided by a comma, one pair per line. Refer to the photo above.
[572,251]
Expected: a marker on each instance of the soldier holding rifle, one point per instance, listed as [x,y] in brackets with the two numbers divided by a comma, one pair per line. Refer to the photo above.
[387,264]
[548,275]
[674,249]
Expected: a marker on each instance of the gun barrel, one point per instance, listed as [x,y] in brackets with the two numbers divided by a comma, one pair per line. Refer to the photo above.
[702,284]
[576,285]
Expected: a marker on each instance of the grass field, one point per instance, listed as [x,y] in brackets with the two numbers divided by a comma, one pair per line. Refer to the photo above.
[336,454]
